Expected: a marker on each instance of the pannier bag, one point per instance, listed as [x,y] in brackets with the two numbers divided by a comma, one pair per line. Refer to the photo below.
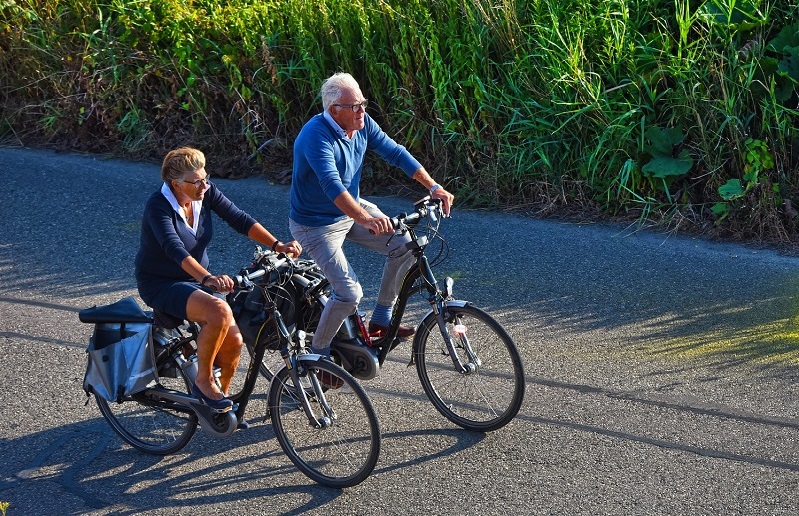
[120,353]
[249,310]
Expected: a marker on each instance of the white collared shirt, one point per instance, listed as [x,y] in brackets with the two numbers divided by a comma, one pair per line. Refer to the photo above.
[334,124]
[196,206]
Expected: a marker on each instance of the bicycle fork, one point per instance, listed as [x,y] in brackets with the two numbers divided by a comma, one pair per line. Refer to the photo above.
[296,365]
[440,302]
[298,368]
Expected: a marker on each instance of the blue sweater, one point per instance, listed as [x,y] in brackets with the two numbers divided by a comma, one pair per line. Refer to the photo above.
[327,164]
[166,239]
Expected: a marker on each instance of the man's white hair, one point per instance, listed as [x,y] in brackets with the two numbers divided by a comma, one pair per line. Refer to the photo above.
[334,86]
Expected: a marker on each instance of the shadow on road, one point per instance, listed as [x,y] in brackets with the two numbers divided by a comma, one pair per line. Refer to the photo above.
[89,461]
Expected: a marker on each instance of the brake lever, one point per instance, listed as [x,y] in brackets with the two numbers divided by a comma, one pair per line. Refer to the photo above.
[432,213]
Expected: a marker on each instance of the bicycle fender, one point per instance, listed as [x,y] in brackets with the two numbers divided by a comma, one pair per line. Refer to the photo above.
[308,357]
[311,357]
[459,303]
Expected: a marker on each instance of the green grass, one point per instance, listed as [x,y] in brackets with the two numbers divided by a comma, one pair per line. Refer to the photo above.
[542,105]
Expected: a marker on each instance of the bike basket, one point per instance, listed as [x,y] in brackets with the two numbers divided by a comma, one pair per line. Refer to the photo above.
[120,353]
[250,311]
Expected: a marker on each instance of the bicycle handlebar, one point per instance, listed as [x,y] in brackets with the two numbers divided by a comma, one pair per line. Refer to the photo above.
[243,280]
[426,206]
[265,262]
[269,261]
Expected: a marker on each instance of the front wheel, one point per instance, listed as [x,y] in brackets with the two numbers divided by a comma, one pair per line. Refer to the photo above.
[490,395]
[341,447]
[149,424]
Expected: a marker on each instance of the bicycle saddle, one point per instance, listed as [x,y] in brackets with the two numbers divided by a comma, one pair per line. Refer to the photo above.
[166,321]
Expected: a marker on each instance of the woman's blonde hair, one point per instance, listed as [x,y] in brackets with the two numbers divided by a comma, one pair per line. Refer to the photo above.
[179,162]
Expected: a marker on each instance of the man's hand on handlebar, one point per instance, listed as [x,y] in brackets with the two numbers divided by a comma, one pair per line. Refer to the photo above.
[377,225]
[292,249]
[447,199]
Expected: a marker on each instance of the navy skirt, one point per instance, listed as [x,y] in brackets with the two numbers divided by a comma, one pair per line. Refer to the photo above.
[166,295]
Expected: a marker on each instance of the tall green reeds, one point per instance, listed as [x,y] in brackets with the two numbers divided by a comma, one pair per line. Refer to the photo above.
[672,110]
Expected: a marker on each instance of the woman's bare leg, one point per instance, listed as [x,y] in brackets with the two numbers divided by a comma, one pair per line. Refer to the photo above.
[215,318]
[228,357]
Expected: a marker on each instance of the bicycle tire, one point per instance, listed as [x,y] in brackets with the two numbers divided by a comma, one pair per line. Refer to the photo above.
[153,429]
[483,400]
[340,455]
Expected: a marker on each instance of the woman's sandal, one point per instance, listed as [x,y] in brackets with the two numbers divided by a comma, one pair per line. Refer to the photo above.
[221,405]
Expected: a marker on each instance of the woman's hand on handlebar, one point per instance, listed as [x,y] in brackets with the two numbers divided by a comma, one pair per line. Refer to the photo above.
[222,283]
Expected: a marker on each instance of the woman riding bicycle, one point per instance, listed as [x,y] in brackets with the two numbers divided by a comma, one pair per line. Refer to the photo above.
[172,264]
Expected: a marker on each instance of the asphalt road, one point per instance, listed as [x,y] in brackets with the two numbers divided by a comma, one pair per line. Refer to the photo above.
[659,369]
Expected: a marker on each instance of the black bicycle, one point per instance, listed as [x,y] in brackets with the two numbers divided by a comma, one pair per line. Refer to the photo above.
[467,363]
[331,435]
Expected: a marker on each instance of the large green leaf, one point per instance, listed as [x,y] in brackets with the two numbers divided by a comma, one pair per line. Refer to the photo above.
[667,166]
[789,67]
[786,44]
[787,39]
[732,189]
[720,210]
[661,142]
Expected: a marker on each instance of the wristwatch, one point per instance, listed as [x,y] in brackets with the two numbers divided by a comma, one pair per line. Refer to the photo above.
[434,187]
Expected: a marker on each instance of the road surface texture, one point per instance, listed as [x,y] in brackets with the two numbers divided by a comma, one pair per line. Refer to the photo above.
[659,368]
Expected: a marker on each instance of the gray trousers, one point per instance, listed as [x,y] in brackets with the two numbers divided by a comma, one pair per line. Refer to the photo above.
[324,245]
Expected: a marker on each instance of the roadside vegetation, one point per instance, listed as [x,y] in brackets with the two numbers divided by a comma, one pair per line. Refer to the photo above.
[677,113]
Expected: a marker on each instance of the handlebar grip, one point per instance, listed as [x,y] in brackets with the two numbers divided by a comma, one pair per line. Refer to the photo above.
[414,218]
[240,280]
[257,274]
[395,223]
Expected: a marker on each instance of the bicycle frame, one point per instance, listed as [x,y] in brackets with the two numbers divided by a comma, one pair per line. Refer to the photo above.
[437,298]
[295,362]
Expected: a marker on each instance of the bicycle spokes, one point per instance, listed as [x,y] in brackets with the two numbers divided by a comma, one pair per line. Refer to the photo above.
[341,447]
[490,394]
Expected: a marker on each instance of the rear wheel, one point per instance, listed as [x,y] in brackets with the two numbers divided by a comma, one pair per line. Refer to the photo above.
[489,396]
[342,450]
[149,424]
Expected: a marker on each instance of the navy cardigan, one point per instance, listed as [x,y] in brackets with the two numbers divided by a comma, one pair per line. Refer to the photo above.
[166,239]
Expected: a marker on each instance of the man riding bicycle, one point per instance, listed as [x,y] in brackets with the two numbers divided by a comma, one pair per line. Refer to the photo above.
[326,208]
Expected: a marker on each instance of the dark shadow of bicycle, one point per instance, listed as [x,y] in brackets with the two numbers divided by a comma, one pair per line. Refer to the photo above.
[88,461]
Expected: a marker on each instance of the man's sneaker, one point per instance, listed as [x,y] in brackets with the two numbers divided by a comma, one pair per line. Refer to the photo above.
[329,380]
[378,330]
